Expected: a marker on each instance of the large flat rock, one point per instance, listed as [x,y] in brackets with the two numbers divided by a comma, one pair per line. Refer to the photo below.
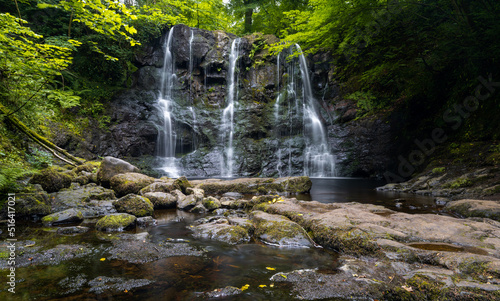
[289,185]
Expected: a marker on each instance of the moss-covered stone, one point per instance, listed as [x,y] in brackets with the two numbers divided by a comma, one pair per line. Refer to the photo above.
[66,216]
[134,204]
[52,179]
[211,203]
[132,182]
[161,200]
[160,186]
[182,184]
[231,234]
[31,204]
[116,222]
[112,166]
[256,186]
[279,230]
[475,208]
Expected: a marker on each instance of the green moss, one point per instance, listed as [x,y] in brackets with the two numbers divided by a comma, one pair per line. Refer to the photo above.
[52,179]
[459,183]
[233,235]
[135,205]
[438,170]
[115,222]
[424,288]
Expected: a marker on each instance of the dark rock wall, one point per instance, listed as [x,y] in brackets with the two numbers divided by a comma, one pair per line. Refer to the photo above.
[362,147]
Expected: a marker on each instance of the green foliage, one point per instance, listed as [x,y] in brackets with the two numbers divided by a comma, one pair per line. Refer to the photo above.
[364,100]
[8,178]
[39,158]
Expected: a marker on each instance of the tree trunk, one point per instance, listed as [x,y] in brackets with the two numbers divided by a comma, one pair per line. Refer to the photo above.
[58,152]
[248,19]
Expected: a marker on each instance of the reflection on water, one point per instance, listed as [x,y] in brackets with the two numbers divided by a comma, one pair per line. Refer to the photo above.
[344,190]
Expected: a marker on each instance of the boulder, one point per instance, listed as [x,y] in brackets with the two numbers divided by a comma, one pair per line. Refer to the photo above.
[187,202]
[475,208]
[29,204]
[131,182]
[116,222]
[110,167]
[211,203]
[66,216]
[182,184]
[146,221]
[53,179]
[161,200]
[80,197]
[160,186]
[279,230]
[290,185]
[134,204]
[219,229]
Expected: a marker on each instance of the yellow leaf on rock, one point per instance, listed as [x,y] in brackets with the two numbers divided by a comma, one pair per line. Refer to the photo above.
[102,259]
[262,285]
[271,269]
[245,287]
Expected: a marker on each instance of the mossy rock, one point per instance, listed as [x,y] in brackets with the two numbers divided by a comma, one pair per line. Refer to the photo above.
[116,222]
[231,234]
[31,204]
[161,200]
[52,179]
[187,203]
[475,208]
[111,167]
[134,204]
[182,184]
[279,230]
[62,217]
[127,183]
[211,203]
[160,186]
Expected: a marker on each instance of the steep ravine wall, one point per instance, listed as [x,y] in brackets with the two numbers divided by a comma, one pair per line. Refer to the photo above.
[362,147]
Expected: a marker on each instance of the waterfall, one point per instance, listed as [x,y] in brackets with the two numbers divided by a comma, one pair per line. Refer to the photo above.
[296,114]
[318,161]
[166,133]
[190,71]
[227,127]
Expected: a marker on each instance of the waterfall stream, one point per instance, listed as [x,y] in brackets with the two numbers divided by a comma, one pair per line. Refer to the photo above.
[166,133]
[227,127]
[295,113]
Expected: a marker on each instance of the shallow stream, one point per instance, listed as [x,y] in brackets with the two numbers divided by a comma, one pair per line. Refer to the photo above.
[185,277]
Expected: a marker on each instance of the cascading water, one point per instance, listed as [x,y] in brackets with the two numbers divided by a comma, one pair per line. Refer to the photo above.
[191,65]
[318,162]
[227,127]
[166,134]
[295,114]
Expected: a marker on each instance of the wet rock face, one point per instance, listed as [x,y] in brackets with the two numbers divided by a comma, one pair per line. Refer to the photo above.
[363,147]
[263,145]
